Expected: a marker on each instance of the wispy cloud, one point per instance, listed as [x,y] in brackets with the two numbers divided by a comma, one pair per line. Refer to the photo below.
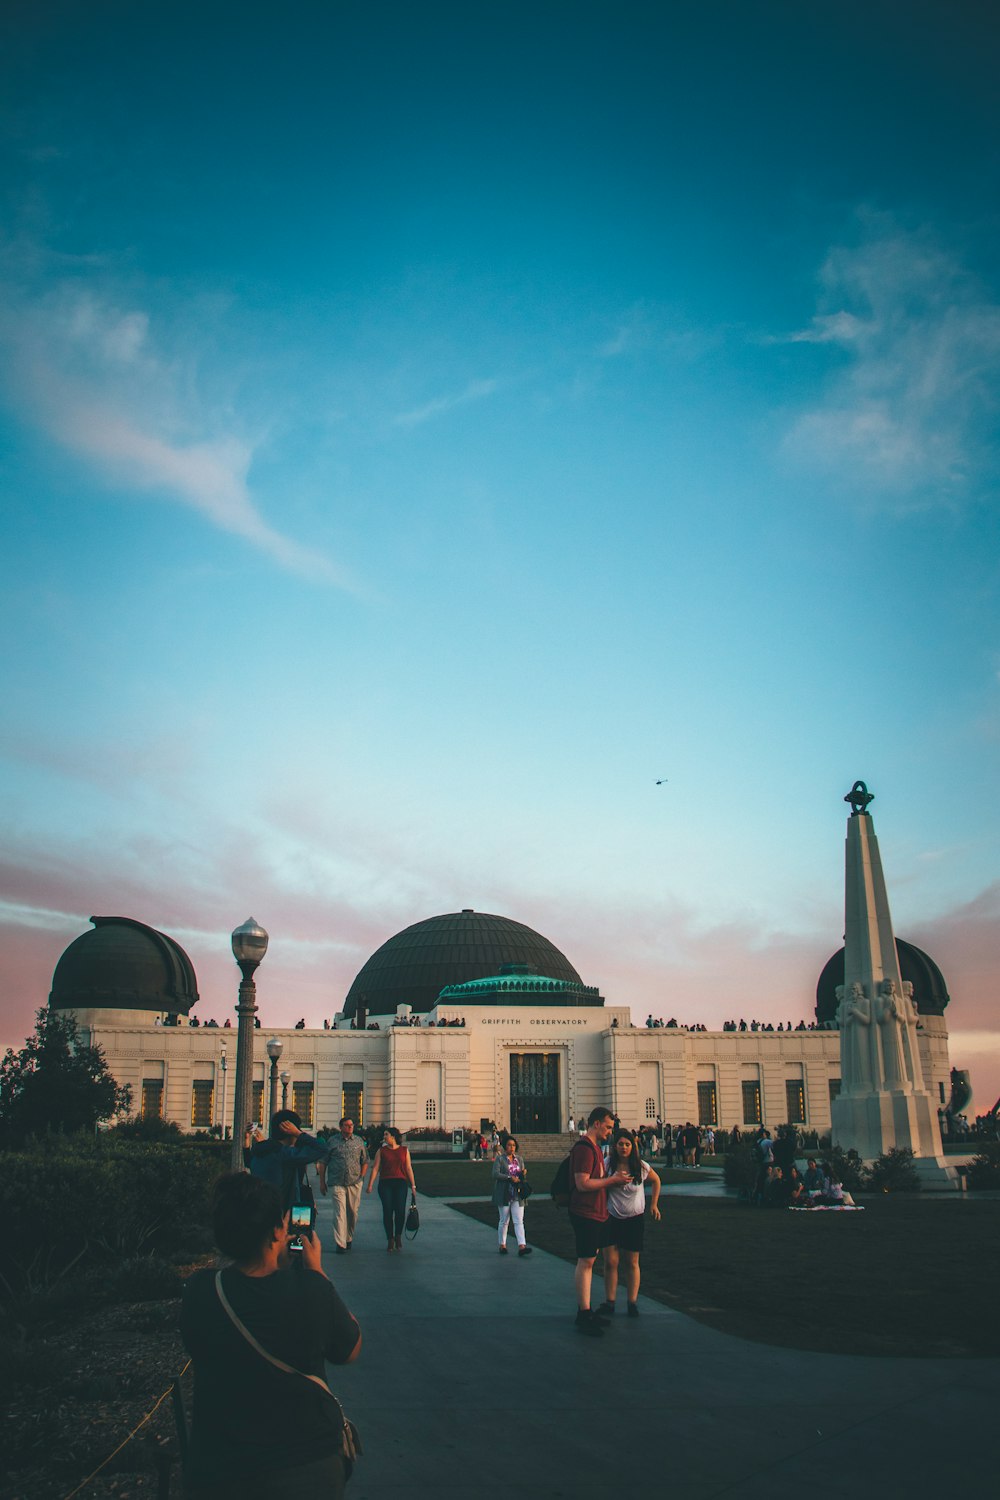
[84,368]
[476,390]
[908,409]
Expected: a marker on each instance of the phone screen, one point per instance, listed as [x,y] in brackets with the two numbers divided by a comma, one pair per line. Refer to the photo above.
[300,1219]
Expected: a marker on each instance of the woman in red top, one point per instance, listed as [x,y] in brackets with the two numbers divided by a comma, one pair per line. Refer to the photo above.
[392,1161]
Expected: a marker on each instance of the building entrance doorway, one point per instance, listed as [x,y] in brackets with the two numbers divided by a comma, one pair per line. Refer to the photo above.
[352,1104]
[534,1093]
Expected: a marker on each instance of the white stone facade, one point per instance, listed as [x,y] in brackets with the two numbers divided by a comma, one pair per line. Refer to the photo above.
[452,1077]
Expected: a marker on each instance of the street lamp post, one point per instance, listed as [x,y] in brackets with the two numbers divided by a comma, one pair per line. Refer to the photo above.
[274,1050]
[285,1080]
[249,947]
[224,1065]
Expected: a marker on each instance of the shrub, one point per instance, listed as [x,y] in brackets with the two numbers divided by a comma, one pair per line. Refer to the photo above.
[983,1170]
[845,1167]
[78,1203]
[136,1128]
[893,1172]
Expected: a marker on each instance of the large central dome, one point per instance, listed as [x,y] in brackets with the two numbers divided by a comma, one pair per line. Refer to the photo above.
[413,967]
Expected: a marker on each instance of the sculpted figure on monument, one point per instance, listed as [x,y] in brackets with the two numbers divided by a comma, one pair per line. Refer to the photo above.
[854,1016]
[891,1018]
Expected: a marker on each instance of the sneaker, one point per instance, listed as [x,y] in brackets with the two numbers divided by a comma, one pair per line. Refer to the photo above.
[340,1250]
[633,1309]
[524,1250]
[606,1310]
[587,1324]
[503,1249]
[349,1244]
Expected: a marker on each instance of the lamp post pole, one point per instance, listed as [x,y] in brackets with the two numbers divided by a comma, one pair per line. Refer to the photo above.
[249,947]
[224,1065]
[274,1050]
[285,1078]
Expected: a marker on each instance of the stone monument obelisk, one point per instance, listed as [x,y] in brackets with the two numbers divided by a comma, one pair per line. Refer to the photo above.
[883,1102]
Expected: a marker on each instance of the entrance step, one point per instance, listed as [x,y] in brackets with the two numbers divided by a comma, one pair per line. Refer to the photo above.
[546,1147]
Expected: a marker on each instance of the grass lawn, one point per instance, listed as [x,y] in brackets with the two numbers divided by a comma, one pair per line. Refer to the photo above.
[904,1278]
[461,1178]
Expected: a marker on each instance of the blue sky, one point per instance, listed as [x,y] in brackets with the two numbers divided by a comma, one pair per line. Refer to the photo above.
[422,428]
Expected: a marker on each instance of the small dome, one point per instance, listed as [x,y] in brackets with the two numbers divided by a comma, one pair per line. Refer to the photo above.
[930,994]
[124,965]
[413,967]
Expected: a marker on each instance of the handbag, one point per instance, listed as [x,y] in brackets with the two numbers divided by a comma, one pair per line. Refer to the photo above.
[350,1440]
[413,1220]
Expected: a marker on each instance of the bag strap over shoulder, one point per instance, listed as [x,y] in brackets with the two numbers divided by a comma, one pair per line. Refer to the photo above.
[279,1364]
[351,1438]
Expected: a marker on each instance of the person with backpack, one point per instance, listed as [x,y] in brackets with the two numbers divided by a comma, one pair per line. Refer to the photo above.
[588,1212]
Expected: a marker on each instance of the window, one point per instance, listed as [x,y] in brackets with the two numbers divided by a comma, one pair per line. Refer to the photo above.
[707,1113]
[751,1103]
[257,1107]
[834,1087]
[941,1093]
[202,1099]
[352,1103]
[302,1101]
[795,1096]
[650,1109]
[152,1098]
[430,1110]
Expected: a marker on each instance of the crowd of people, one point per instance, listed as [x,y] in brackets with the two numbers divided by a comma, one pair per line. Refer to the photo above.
[755,1025]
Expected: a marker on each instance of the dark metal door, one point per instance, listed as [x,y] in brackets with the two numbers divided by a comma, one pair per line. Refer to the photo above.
[534,1093]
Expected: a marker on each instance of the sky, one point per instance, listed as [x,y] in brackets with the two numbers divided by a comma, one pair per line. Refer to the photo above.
[425,428]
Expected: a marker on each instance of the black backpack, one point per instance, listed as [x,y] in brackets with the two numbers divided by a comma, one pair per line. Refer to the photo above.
[562,1183]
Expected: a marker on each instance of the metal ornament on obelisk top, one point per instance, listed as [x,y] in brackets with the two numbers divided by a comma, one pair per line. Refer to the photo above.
[883,1103]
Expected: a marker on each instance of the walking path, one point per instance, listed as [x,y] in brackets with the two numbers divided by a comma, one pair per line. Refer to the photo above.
[472,1382]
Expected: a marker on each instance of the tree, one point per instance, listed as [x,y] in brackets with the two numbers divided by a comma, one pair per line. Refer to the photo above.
[56,1082]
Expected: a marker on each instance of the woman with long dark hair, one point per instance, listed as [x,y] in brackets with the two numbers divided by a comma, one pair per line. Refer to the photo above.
[265,1424]
[626,1216]
[509,1182]
[392,1169]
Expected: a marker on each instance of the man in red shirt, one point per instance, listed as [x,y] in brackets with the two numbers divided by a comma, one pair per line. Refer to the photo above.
[588,1211]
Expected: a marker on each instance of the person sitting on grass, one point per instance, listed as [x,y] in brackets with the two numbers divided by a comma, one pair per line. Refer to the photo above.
[795,1191]
[814,1180]
[774,1194]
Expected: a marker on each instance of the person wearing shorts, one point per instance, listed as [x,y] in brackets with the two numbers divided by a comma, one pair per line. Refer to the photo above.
[626,1220]
[588,1211]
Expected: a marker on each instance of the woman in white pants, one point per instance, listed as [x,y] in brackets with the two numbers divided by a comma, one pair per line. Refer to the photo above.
[509,1174]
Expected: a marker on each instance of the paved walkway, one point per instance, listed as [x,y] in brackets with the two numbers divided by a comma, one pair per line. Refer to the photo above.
[472,1382]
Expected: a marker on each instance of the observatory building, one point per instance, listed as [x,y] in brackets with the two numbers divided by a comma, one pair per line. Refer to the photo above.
[461,1018]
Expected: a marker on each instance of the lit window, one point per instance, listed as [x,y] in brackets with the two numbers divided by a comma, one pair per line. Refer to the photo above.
[302,1101]
[152,1098]
[707,1112]
[202,1099]
[795,1096]
[751,1103]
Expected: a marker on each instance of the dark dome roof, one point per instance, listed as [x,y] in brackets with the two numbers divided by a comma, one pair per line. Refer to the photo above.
[413,967]
[930,994]
[124,965]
